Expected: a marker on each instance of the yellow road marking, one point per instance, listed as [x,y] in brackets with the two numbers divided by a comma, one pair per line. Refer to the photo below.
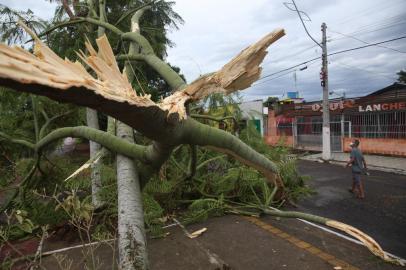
[330,259]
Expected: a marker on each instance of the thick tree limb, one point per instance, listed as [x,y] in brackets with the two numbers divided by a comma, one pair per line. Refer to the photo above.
[213,118]
[109,141]
[131,11]
[221,141]
[163,69]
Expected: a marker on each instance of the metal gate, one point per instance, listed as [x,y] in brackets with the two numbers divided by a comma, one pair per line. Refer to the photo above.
[308,135]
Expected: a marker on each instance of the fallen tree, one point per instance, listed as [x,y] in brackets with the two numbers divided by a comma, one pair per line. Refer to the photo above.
[166,123]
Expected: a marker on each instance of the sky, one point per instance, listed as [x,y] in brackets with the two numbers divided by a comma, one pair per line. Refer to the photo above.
[216,30]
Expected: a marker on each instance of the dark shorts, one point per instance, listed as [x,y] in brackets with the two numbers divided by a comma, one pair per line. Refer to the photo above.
[356,177]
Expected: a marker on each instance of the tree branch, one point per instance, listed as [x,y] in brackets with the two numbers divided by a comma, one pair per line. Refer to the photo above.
[102,17]
[368,241]
[131,11]
[140,40]
[35,115]
[221,141]
[192,163]
[131,57]
[21,185]
[167,73]
[174,80]
[49,121]
[77,20]
[45,115]
[17,141]
[67,9]
[213,118]
[109,141]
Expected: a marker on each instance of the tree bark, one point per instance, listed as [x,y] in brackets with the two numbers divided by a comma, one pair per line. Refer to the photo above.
[132,244]
[92,121]
[132,238]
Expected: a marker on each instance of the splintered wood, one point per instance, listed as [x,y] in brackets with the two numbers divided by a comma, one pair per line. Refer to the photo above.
[44,67]
[238,74]
[370,243]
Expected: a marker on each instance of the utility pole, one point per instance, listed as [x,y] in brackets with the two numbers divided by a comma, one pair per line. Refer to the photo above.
[326,155]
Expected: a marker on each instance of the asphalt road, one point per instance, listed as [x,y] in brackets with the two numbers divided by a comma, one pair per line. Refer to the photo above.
[382,214]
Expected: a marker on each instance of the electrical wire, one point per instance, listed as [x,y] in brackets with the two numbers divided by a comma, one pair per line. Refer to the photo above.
[362,69]
[271,79]
[365,46]
[334,53]
[360,40]
[289,68]
[367,28]
[293,54]
[304,26]
[369,10]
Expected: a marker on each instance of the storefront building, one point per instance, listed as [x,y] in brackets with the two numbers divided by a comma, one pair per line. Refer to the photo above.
[378,120]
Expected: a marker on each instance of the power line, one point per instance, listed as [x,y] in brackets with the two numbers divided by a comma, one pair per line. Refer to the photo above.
[289,68]
[334,53]
[294,54]
[304,26]
[271,79]
[366,28]
[369,45]
[360,40]
[373,9]
[362,69]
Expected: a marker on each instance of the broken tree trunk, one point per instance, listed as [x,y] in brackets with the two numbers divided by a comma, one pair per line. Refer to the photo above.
[165,122]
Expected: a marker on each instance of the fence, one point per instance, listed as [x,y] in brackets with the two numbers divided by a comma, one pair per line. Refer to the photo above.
[378,125]
[307,131]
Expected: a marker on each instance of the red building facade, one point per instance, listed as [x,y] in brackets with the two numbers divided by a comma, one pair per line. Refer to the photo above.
[378,120]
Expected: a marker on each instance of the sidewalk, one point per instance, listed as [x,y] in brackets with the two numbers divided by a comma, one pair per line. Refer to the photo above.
[374,162]
[241,243]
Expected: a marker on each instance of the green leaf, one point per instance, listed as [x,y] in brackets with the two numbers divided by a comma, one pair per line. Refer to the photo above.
[26,227]
[20,219]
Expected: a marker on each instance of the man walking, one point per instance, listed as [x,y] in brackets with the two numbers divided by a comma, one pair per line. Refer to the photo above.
[358,166]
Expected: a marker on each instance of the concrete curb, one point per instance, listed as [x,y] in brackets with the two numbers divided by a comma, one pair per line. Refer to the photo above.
[370,167]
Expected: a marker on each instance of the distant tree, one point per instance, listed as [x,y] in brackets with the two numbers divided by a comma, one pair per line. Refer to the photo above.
[270,101]
[10,32]
[402,76]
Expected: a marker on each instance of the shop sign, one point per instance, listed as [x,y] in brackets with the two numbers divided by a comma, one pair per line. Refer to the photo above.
[318,107]
[382,107]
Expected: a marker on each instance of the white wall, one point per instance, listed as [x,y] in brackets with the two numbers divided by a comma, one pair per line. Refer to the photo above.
[253,110]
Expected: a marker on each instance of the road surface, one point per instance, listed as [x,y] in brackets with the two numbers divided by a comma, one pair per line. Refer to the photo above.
[382,214]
